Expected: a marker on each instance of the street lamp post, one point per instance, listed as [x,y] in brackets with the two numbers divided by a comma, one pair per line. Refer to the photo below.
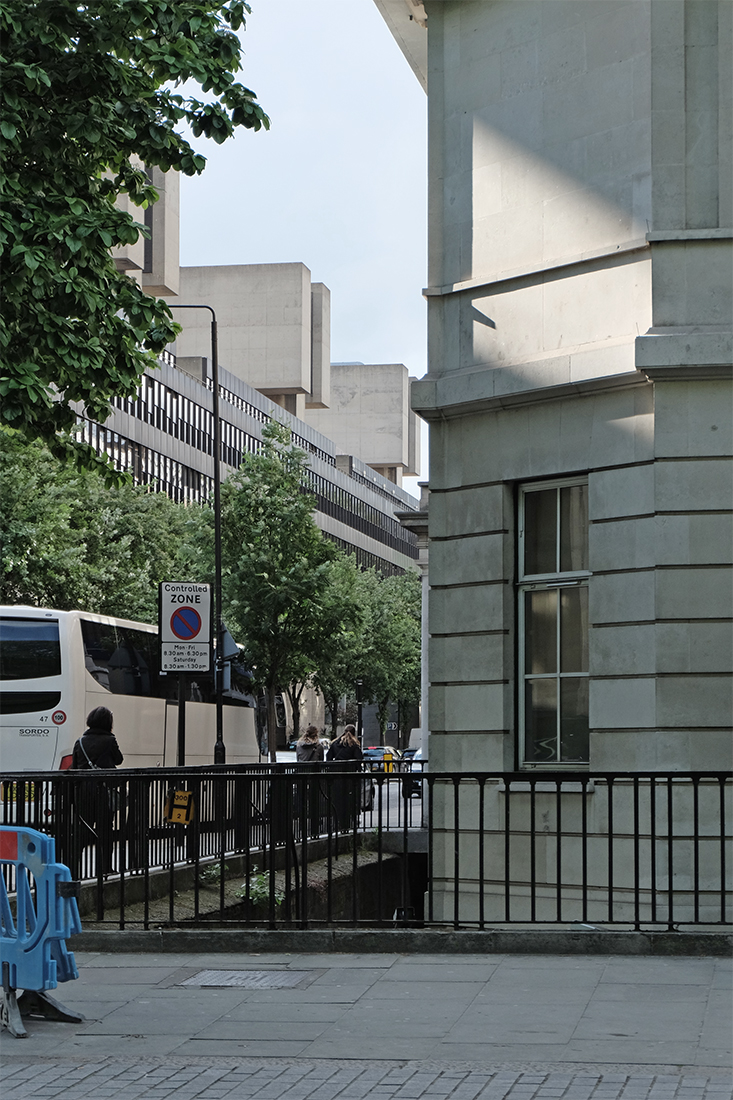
[359,704]
[219,748]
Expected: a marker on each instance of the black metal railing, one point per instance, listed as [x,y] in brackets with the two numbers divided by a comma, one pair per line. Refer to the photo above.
[320,844]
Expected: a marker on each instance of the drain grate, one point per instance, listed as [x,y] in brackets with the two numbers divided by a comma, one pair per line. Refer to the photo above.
[248,979]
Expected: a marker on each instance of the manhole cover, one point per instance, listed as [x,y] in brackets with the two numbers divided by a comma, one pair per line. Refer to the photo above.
[248,979]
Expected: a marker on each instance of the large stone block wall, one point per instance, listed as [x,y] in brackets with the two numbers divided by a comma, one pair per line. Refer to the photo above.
[580,314]
[527,178]
[660,591]
[531,854]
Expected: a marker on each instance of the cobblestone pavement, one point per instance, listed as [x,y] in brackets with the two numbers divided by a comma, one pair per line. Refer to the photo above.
[326,1079]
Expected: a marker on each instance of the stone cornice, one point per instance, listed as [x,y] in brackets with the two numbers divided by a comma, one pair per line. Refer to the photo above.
[440,399]
[677,355]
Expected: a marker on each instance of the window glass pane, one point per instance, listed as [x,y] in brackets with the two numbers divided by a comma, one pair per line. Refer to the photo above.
[128,670]
[574,718]
[122,660]
[100,642]
[540,532]
[540,622]
[146,650]
[573,528]
[200,689]
[540,721]
[574,629]
[29,649]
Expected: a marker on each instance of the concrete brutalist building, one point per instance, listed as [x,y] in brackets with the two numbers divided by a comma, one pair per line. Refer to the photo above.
[274,335]
[578,392]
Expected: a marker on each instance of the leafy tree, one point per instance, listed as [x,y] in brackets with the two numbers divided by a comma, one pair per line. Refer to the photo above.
[88,97]
[390,657]
[341,638]
[301,673]
[71,541]
[275,562]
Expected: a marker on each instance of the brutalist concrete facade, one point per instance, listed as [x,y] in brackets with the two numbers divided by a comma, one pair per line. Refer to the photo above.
[580,350]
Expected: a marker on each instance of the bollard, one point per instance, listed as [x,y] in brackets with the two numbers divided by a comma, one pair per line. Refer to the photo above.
[33,944]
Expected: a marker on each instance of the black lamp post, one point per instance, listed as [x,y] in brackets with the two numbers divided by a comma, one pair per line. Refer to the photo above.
[219,748]
[359,704]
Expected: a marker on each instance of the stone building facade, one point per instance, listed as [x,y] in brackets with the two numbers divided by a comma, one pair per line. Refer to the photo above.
[579,385]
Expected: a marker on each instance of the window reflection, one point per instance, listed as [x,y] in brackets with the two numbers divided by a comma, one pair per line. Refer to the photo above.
[540,532]
[541,631]
[541,721]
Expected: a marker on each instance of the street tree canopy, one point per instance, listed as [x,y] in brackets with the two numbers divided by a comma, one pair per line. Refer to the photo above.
[275,562]
[68,540]
[88,98]
[341,639]
[390,656]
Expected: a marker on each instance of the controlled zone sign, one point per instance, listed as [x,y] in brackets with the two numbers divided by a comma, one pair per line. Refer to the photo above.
[184,626]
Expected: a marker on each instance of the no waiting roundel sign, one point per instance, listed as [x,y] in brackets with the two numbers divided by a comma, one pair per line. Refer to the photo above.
[184,623]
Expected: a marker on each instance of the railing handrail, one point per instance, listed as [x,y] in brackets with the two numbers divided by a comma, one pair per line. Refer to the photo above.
[539,847]
[399,767]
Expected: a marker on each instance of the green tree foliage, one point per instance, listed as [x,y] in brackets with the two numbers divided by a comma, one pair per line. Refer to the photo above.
[275,563]
[341,637]
[390,656]
[71,541]
[88,96]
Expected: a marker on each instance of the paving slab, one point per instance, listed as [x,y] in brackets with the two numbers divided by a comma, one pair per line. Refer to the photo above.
[367,1026]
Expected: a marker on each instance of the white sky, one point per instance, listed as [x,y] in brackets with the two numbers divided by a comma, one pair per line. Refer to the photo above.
[339,181]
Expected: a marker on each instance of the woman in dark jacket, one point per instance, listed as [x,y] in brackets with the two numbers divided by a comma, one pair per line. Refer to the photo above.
[345,752]
[97,747]
[345,747]
[309,751]
[96,802]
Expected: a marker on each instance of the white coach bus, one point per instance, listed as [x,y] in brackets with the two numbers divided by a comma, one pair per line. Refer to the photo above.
[56,666]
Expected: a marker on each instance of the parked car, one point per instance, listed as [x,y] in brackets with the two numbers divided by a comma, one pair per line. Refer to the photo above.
[374,758]
[414,765]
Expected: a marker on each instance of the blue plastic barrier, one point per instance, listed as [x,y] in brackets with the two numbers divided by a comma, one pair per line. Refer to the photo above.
[32,946]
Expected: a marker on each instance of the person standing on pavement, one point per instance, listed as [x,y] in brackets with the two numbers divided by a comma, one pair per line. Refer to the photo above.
[309,751]
[97,747]
[309,748]
[346,752]
[96,804]
[345,747]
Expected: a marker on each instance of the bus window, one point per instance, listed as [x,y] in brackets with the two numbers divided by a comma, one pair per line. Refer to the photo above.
[99,643]
[120,659]
[29,649]
[238,685]
[128,669]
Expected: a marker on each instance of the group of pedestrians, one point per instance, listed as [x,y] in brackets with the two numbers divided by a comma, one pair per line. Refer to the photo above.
[342,796]
[309,748]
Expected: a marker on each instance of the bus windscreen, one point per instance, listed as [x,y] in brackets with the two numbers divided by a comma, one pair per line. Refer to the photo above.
[29,649]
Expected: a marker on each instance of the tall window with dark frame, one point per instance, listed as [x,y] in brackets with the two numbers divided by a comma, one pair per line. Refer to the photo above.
[553,623]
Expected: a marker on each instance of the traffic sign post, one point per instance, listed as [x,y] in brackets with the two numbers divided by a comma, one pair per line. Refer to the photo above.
[184,629]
